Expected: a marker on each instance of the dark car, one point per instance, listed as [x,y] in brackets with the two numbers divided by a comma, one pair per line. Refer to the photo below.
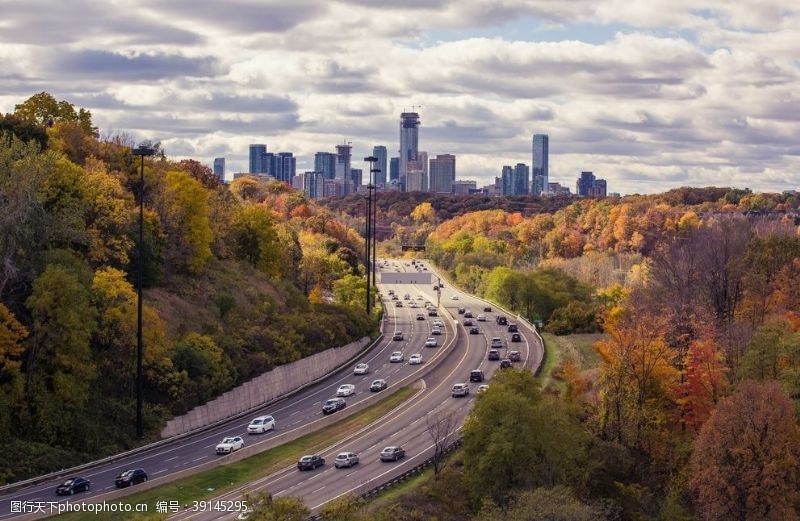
[512,328]
[392,453]
[131,477]
[487,309]
[73,485]
[467,322]
[516,337]
[461,311]
[378,385]
[310,462]
[514,356]
[468,314]
[333,405]
[476,375]
[505,363]
[432,313]
[501,320]
[494,354]
[398,335]
[474,331]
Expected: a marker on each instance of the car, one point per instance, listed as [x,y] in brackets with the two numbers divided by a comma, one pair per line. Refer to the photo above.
[481,318]
[501,320]
[441,285]
[392,453]
[431,342]
[310,462]
[460,390]
[406,297]
[514,356]
[378,385]
[467,322]
[390,292]
[399,304]
[438,322]
[395,297]
[346,390]
[494,354]
[345,460]
[461,311]
[482,388]
[516,337]
[497,342]
[420,297]
[130,477]
[512,328]
[505,363]
[396,356]
[398,335]
[474,330]
[432,312]
[73,485]
[413,305]
[476,375]
[332,405]
[261,424]
[420,316]
[361,369]
[467,314]
[415,359]
[487,309]
[229,445]
[435,287]
[454,297]
[436,330]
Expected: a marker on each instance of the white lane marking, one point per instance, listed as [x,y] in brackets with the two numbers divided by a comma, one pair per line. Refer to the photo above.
[172,458]
[199,459]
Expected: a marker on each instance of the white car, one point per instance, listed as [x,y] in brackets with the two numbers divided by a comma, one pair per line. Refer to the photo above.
[460,390]
[396,356]
[415,359]
[455,297]
[430,342]
[438,322]
[482,388]
[261,424]
[361,369]
[346,390]
[229,445]
[436,330]
[481,318]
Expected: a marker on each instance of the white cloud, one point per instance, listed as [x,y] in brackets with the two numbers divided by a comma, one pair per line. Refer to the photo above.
[686,92]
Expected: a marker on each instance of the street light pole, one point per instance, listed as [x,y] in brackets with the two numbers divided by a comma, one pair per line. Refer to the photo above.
[141,152]
[370,264]
[367,213]
[374,171]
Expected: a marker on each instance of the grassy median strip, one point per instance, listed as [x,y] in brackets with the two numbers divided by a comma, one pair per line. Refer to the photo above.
[213,482]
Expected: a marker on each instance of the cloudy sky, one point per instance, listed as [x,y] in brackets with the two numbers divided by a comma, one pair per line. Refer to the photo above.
[649,94]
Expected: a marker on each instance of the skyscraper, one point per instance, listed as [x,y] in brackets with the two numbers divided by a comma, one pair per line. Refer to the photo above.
[409,143]
[356,175]
[325,163]
[541,151]
[442,173]
[521,175]
[507,177]
[394,169]
[313,184]
[380,177]
[257,152]
[219,168]
[285,165]
[583,186]
[343,161]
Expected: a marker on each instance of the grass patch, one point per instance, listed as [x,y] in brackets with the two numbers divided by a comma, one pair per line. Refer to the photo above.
[216,481]
[577,348]
[391,495]
[553,352]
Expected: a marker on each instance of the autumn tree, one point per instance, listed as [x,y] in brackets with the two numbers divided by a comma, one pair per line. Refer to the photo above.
[285,508]
[109,216]
[200,172]
[552,504]
[704,383]
[255,239]
[12,334]
[423,213]
[43,109]
[182,205]
[207,366]
[746,460]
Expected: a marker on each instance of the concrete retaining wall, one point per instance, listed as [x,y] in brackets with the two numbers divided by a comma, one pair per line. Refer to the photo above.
[262,389]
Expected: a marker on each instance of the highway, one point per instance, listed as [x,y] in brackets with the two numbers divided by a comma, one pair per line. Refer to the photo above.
[405,426]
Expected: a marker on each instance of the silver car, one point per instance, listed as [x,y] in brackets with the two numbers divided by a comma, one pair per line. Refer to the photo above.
[345,459]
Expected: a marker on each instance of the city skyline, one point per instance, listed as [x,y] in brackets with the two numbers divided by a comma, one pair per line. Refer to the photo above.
[663,95]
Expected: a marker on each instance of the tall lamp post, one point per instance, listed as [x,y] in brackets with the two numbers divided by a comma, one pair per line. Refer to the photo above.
[141,151]
[370,265]
[374,171]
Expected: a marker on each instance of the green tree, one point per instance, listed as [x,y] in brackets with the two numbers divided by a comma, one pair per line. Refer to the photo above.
[12,334]
[207,366]
[551,504]
[351,291]
[345,508]
[285,508]
[60,368]
[255,239]
[43,109]
[516,439]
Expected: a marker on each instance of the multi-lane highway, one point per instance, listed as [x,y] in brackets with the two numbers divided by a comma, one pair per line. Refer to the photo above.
[444,365]
[407,425]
